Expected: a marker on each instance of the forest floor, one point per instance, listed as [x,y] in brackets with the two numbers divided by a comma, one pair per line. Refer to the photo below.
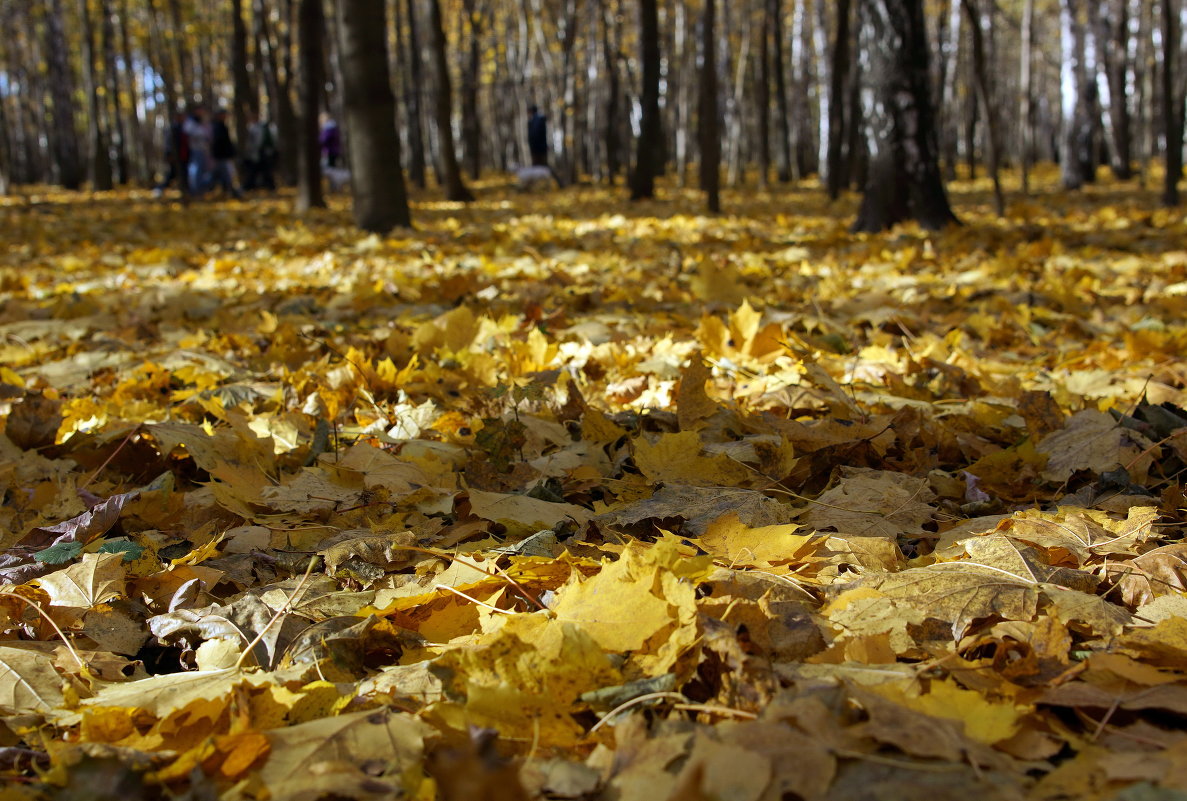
[559,496]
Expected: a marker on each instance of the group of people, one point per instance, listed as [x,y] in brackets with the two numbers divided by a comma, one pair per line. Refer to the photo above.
[201,155]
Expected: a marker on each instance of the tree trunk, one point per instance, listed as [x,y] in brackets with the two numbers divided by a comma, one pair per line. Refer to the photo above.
[903,181]
[1172,107]
[946,105]
[823,89]
[801,107]
[100,157]
[380,202]
[451,174]
[471,119]
[685,93]
[1026,99]
[61,84]
[112,106]
[311,27]
[613,90]
[278,76]
[762,98]
[782,114]
[649,157]
[143,148]
[1076,155]
[979,72]
[412,99]
[184,70]
[239,74]
[836,111]
[710,135]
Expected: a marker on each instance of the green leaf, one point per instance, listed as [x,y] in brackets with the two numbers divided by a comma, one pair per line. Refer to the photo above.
[59,553]
[130,550]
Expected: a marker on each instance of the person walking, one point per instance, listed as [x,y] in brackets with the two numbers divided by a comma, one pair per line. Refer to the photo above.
[537,136]
[223,152]
[177,157]
[260,155]
[330,140]
[197,132]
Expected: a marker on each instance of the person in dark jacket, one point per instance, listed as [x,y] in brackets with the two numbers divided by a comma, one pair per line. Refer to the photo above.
[177,156]
[537,136]
[222,152]
[330,141]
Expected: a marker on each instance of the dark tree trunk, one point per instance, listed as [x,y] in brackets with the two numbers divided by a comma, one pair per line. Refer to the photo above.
[903,181]
[471,121]
[239,74]
[834,178]
[185,71]
[710,134]
[982,80]
[451,174]
[311,26]
[100,157]
[380,202]
[649,158]
[61,84]
[143,148]
[762,98]
[280,100]
[416,140]
[782,114]
[161,57]
[1026,101]
[613,90]
[112,75]
[1112,22]
[1172,106]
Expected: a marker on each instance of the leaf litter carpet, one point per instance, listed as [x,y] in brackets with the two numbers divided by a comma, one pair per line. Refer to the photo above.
[560,497]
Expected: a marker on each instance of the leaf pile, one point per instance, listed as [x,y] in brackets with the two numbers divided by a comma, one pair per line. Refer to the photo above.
[556,498]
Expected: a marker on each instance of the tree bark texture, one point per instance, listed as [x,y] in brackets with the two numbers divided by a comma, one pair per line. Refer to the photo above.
[380,201]
[451,174]
[903,180]
[834,177]
[1172,105]
[311,26]
[710,135]
[99,162]
[649,153]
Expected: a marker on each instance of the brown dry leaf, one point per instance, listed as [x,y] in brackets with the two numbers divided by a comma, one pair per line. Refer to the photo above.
[523,514]
[873,503]
[28,682]
[96,578]
[366,754]
[1096,442]
[699,509]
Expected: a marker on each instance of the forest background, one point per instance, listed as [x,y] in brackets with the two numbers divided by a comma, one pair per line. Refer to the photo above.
[559,495]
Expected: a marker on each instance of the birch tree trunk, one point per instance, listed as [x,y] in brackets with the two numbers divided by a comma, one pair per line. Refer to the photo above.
[710,135]
[903,182]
